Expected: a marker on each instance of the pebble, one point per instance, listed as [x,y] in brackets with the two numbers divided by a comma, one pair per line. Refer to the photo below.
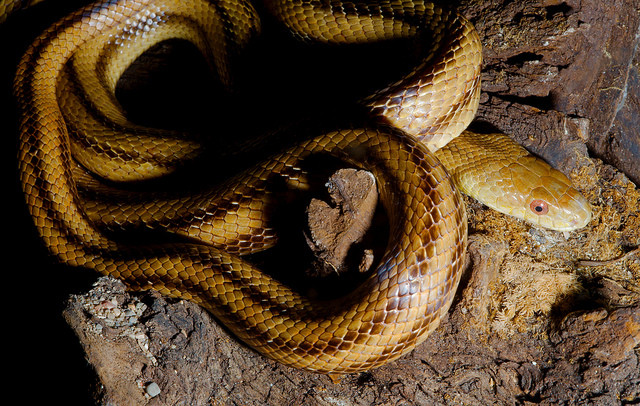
[101,302]
[152,389]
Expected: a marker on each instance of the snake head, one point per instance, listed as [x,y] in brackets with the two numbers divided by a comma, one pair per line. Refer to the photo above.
[498,172]
[564,211]
[544,196]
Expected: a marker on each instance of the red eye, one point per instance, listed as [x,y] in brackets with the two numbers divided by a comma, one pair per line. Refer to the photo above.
[539,207]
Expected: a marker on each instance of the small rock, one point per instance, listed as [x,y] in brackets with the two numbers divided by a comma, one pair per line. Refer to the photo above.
[152,389]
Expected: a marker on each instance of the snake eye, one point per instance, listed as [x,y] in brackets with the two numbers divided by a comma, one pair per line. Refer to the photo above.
[539,207]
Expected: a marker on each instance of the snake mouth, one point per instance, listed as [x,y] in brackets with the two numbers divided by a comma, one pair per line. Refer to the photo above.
[582,218]
[570,220]
[575,211]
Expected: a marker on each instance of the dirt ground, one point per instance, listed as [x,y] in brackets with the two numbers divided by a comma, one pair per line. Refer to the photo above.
[540,317]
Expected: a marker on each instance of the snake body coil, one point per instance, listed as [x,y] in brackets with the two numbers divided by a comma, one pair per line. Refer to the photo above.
[413,286]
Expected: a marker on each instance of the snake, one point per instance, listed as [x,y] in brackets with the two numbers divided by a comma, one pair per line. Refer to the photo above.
[416,145]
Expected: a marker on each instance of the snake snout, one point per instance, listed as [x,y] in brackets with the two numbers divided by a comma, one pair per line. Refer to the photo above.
[578,210]
[558,206]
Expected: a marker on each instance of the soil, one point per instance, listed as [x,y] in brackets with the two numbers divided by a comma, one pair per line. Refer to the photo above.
[540,317]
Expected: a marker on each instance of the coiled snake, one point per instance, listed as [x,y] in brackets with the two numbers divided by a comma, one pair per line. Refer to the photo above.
[403,300]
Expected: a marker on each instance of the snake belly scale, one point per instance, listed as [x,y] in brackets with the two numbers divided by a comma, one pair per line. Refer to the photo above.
[409,292]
